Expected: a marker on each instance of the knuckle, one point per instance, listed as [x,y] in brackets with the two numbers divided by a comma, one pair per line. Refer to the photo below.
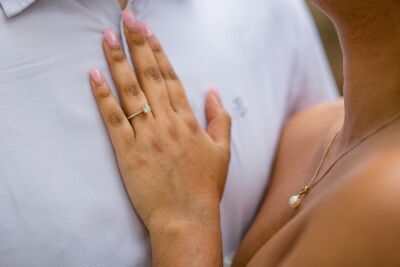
[133,160]
[118,56]
[153,73]
[172,131]
[192,123]
[224,153]
[154,44]
[169,74]
[181,99]
[180,94]
[105,93]
[127,144]
[136,36]
[116,118]
[153,136]
[156,140]
[140,160]
[131,90]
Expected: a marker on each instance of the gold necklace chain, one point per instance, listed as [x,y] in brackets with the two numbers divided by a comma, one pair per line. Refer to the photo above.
[295,200]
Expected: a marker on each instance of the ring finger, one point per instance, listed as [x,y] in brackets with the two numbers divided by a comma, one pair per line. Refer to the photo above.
[146,67]
[131,95]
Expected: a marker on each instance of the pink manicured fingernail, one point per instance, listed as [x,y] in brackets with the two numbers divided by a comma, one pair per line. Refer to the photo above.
[146,29]
[111,38]
[129,18]
[96,76]
[215,93]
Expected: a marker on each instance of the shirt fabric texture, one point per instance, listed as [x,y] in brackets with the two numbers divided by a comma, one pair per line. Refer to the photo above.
[62,202]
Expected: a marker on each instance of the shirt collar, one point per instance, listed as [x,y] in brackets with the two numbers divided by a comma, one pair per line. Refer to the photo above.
[14,7]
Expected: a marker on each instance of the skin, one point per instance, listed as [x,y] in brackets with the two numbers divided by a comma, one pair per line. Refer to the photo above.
[173,170]
[351,218]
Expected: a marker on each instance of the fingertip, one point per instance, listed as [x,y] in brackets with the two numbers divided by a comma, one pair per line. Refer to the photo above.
[96,76]
[154,43]
[129,18]
[212,102]
[211,99]
[111,38]
[213,90]
[212,106]
[146,29]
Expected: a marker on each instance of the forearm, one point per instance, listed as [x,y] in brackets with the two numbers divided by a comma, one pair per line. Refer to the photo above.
[187,242]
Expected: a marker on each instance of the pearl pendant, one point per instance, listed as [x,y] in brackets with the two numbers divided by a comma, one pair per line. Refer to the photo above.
[294,201]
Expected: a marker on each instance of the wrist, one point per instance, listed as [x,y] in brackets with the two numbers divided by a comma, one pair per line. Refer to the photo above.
[206,217]
[184,240]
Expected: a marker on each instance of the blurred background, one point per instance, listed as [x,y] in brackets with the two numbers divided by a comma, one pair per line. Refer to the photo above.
[331,43]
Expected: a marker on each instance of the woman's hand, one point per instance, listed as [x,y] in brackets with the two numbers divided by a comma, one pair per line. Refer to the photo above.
[173,170]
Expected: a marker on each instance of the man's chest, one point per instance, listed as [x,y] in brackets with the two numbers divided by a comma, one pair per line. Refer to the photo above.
[48,110]
[254,86]
[235,58]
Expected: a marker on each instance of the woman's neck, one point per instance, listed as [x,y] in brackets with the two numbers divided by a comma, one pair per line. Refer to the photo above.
[371,48]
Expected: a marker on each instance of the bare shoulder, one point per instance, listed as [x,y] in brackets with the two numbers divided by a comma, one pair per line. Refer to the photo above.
[316,116]
[311,124]
[376,187]
[358,224]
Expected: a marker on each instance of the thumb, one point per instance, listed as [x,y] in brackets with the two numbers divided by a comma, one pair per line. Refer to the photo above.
[218,120]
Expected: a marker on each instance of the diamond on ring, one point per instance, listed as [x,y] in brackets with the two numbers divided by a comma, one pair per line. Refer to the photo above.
[146,109]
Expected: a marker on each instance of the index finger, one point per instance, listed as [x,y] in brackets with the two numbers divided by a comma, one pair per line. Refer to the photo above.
[118,126]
